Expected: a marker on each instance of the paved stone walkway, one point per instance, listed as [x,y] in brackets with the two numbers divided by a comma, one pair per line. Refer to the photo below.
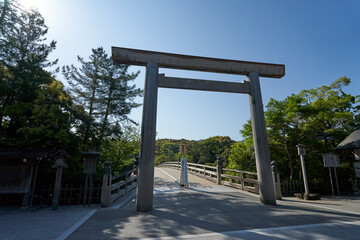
[40,223]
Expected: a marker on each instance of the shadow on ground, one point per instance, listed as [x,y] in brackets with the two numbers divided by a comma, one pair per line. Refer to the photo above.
[192,212]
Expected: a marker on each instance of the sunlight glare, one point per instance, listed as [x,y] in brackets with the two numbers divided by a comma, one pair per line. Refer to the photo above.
[32,3]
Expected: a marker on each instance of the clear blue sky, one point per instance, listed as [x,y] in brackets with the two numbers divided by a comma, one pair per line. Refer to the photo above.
[318,41]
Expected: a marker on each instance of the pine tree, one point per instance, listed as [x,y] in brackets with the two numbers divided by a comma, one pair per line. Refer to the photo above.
[103,89]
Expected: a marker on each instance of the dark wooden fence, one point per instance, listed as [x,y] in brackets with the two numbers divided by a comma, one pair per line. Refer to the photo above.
[111,189]
[70,195]
[288,188]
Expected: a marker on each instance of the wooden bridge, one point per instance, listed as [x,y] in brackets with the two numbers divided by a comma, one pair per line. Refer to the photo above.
[204,210]
[115,187]
[207,210]
[243,180]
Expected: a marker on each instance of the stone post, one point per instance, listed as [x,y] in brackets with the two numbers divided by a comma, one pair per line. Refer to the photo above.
[145,187]
[261,145]
[59,165]
[302,153]
[57,188]
[277,183]
[26,197]
[106,187]
[304,174]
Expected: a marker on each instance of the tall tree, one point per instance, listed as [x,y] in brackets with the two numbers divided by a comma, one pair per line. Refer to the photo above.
[23,57]
[85,83]
[301,118]
[283,118]
[116,96]
[103,89]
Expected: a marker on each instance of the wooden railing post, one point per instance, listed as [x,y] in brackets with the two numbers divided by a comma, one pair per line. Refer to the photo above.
[126,183]
[218,171]
[106,188]
[242,181]
[136,164]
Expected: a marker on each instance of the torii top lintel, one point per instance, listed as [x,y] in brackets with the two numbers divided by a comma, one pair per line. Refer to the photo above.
[187,62]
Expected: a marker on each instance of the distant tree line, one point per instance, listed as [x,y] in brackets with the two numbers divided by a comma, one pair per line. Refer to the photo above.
[204,152]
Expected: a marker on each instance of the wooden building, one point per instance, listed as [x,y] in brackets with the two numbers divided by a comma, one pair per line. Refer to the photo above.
[18,171]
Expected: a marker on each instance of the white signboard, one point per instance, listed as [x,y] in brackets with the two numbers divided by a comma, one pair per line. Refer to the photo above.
[331,160]
[357,169]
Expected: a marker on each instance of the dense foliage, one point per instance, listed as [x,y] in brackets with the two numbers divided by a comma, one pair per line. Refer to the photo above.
[319,118]
[37,111]
[23,56]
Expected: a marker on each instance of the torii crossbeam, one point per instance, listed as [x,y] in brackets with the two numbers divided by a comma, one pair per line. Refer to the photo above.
[155,60]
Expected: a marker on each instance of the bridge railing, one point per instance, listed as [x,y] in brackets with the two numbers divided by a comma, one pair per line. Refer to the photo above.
[243,180]
[116,186]
[205,171]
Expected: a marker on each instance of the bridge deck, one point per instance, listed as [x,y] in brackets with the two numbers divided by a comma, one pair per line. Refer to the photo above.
[208,211]
[204,211]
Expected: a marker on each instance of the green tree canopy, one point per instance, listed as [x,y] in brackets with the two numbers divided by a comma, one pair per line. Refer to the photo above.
[23,57]
[104,89]
[303,118]
[121,151]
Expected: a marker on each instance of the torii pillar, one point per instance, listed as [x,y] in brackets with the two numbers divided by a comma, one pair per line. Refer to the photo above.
[145,181]
[261,144]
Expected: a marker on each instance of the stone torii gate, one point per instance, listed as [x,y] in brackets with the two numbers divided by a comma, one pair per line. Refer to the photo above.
[153,80]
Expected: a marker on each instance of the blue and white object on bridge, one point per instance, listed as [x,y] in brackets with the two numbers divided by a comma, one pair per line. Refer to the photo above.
[184,173]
